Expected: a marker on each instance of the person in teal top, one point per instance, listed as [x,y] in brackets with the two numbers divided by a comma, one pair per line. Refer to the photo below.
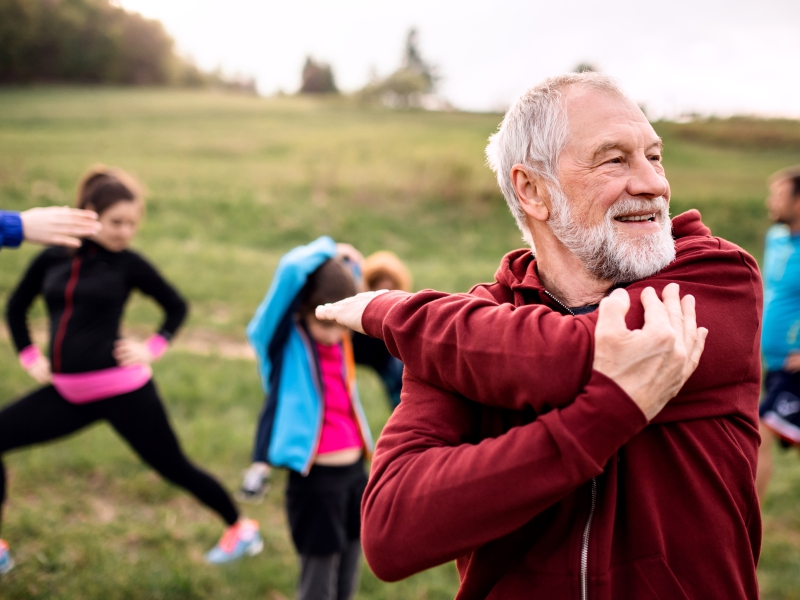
[780,330]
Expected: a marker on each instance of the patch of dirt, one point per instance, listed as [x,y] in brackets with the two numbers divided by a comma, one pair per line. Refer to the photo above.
[212,343]
[103,509]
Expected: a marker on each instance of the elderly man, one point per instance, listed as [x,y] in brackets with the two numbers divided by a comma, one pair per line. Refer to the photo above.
[534,443]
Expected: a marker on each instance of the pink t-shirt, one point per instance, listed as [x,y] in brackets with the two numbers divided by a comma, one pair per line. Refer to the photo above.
[339,426]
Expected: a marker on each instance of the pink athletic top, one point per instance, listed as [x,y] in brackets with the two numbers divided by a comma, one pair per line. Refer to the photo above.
[339,426]
[80,388]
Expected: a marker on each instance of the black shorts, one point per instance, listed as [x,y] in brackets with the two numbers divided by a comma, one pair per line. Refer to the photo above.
[780,408]
[324,508]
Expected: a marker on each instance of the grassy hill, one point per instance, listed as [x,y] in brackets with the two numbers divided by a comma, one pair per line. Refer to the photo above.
[233,182]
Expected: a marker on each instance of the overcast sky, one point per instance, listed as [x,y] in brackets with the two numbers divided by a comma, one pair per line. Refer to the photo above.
[679,56]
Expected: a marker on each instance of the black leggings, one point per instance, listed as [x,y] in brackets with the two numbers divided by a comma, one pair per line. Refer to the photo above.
[137,416]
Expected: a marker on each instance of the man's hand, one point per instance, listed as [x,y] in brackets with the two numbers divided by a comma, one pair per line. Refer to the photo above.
[650,364]
[58,225]
[130,352]
[792,362]
[39,369]
[348,312]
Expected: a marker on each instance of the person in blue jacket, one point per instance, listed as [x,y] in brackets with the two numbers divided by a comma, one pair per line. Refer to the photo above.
[49,226]
[780,329]
[312,422]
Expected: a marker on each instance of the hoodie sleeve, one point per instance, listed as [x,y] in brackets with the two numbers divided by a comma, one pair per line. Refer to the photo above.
[531,356]
[435,493]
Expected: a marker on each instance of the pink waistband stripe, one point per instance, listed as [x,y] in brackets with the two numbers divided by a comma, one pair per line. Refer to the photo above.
[80,388]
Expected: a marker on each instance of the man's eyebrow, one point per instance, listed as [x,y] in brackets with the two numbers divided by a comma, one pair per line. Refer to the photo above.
[605,147]
[659,143]
[612,145]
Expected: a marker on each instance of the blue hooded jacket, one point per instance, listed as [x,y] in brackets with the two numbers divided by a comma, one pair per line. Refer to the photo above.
[291,421]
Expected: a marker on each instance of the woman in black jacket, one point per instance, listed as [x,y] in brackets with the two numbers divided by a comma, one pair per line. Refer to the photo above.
[92,374]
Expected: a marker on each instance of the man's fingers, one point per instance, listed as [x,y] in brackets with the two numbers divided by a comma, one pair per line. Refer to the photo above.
[699,346]
[65,240]
[655,314]
[326,312]
[347,312]
[672,304]
[690,332]
[612,311]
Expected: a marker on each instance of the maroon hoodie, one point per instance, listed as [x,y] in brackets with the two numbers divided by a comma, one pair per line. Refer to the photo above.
[540,476]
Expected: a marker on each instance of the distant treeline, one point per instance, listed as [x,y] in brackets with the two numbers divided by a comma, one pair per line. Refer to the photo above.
[90,41]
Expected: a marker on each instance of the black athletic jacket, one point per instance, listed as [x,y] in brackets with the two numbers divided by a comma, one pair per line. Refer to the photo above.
[85,293]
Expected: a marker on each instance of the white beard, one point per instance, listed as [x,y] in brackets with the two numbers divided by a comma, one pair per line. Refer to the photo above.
[604,251]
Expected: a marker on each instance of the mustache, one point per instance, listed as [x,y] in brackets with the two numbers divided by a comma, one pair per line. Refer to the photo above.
[630,205]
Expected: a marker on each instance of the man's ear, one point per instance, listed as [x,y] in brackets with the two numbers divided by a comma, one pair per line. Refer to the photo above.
[532,192]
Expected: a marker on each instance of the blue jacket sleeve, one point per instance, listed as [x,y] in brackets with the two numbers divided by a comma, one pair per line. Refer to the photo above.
[10,229]
[290,277]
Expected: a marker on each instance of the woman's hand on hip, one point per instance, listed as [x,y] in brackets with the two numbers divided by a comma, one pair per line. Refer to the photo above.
[129,352]
[39,369]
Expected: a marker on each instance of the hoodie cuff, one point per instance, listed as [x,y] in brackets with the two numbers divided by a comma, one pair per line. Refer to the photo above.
[11,233]
[378,309]
[602,419]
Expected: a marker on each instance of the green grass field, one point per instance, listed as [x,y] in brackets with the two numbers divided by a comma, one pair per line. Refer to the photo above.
[233,183]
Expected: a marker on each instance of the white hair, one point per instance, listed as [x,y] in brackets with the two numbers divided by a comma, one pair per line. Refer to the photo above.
[533,133]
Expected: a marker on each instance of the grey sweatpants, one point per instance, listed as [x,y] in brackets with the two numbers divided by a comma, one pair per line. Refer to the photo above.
[330,576]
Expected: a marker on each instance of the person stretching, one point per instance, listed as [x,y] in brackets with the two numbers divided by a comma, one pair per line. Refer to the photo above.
[312,421]
[92,374]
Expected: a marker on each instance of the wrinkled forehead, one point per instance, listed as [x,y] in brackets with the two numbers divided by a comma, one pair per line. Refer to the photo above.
[599,118]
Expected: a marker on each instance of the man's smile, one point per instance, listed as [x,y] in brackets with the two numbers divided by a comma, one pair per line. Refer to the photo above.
[634,218]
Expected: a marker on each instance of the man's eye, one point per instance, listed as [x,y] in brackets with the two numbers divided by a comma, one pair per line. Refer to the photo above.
[656,158]
[616,160]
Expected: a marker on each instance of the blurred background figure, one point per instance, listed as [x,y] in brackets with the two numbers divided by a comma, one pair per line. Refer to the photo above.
[780,335]
[49,226]
[383,271]
[91,373]
[312,422]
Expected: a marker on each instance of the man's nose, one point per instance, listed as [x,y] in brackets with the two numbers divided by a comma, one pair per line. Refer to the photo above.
[645,180]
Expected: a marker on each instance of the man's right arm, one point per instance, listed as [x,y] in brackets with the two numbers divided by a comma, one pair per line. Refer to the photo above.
[436,492]
[533,357]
